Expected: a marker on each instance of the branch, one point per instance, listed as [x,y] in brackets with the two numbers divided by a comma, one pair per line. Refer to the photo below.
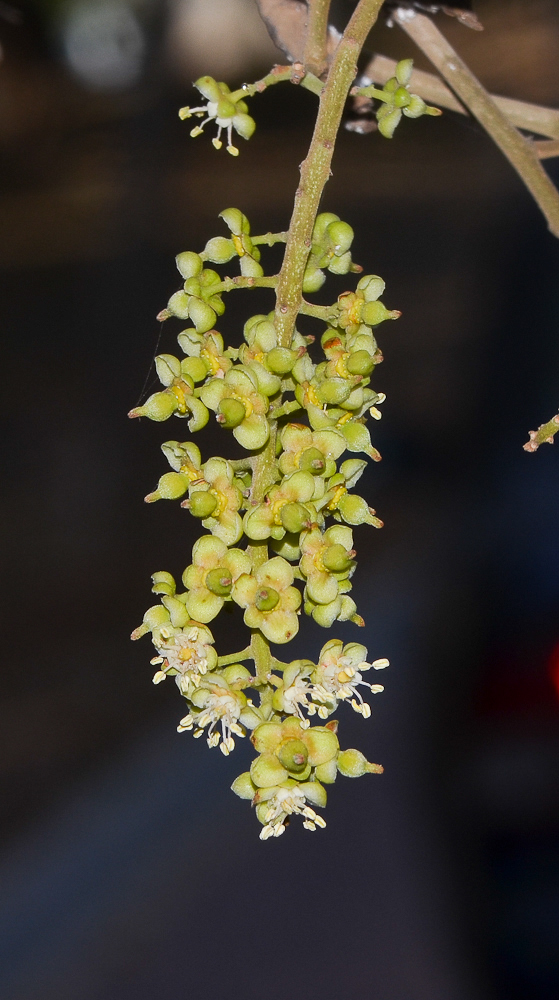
[519,153]
[315,169]
[543,435]
[531,117]
[315,54]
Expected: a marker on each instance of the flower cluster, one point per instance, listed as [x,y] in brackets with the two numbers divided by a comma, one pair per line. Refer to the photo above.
[279,521]
[396,100]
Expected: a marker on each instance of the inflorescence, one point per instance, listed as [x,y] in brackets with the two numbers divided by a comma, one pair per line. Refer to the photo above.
[279,521]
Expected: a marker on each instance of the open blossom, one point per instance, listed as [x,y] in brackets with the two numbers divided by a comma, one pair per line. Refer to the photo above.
[188,654]
[286,802]
[223,709]
[227,109]
[338,675]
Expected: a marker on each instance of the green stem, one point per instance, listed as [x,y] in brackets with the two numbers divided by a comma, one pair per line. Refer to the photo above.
[269,239]
[544,434]
[240,281]
[245,654]
[315,56]
[315,170]
[326,313]
[281,74]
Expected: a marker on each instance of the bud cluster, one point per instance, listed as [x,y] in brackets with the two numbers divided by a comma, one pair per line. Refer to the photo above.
[278,548]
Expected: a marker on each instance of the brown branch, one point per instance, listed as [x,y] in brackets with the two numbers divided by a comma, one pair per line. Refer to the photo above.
[543,435]
[531,117]
[520,153]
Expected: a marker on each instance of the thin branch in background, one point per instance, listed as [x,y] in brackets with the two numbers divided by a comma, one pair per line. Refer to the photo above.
[531,117]
[316,55]
[547,148]
[544,434]
[521,154]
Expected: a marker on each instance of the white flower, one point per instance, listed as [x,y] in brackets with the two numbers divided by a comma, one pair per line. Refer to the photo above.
[222,708]
[284,803]
[339,674]
[185,654]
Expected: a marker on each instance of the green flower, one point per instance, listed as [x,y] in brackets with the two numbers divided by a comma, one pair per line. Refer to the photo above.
[270,600]
[210,578]
[248,417]
[217,498]
[227,109]
[209,348]
[341,609]
[326,559]
[363,305]
[312,451]
[285,503]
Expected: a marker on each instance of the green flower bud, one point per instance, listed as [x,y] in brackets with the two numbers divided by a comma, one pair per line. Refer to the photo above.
[323,220]
[230,413]
[250,268]
[333,390]
[168,368]
[280,360]
[322,745]
[327,773]
[340,236]
[194,368]
[235,221]
[244,125]
[336,559]
[401,97]
[404,71]
[178,305]
[177,610]
[313,280]
[158,407]
[267,770]
[243,786]
[374,313]
[163,583]
[171,486]
[235,673]
[371,287]
[312,460]
[202,504]
[352,764]
[294,517]
[201,314]
[219,250]
[219,581]
[354,510]
[387,123]
[314,793]
[360,363]
[266,599]
[267,737]
[340,265]
[209,88]
[189,264]
[293,755]
[192,286]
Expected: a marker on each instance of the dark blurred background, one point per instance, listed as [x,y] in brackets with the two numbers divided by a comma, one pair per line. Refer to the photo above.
[129,870]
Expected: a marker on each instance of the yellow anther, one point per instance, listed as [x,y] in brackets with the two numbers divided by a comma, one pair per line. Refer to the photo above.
[343,420]
[238,244]
[221,502]
[211,360]
[340,490]
[341,366]
[180,396]
[246,403]
[310,395]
